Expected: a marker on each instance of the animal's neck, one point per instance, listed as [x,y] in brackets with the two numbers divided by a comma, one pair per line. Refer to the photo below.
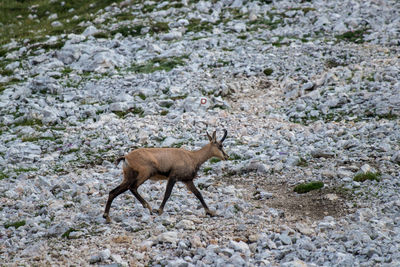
[202,155]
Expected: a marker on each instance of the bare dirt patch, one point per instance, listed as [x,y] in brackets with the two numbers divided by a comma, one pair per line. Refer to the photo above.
[314,205]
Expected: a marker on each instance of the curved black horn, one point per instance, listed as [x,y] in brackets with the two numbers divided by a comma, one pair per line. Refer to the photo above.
[223,137]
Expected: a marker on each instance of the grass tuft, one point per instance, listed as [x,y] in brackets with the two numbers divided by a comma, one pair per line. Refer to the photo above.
[268,71]
[362,177]
[214,160]
[307,187]
[356,36]
[15,224]
[158,64]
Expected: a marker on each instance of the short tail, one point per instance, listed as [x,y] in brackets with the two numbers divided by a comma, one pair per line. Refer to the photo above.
[119,160]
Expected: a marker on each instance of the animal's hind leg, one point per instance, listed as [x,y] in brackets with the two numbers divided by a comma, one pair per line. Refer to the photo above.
[113,194]
[141,199]
[136,180]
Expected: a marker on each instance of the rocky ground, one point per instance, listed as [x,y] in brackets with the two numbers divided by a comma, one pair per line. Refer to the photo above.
[308,91]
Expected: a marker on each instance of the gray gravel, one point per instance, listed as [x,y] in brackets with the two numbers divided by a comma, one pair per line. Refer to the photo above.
[308,90]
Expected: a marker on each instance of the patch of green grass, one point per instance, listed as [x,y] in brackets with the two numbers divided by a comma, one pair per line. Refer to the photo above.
[124,16]
[148,8]
[142,96]
[72,150]
[302,163]
[178,145]
[214,160]
[158,64]
[15,224]
[278,43]
[307,187]
[135,110]
[56,45]
[23,170]
[268,71]
[179,97]
[356,36]
[196,25]
[18,26]
[265,23]
[128,30]
[332,63]
[100,35]
[207,170]
[172,5]
[371,78]
[37,138]
[159,27]
[362,177]
[235,156]
[28,122]
[68,232]
[388,116]
[3,175]
[4,72]
[66,70]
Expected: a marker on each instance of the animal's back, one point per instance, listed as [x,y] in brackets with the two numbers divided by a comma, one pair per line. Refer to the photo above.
[161,160]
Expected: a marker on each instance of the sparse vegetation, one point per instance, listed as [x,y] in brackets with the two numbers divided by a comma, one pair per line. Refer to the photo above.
[68,232]
[3,175]
[235,156]
[214,160]
[158,64]
[16,224]
[136,110]
[302,162]
[207,170]
[196,25]
[356,36]
[268,71]
[28,122]
[362,177]
[307,187]
[34,14]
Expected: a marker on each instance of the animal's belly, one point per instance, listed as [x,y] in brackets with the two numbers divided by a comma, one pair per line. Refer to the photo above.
[158,177]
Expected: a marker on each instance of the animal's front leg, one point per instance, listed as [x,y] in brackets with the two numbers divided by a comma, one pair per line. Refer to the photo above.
[190,185]
[170,185]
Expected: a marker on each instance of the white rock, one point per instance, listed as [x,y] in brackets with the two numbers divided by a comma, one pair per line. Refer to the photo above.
[105,254]
[53,17]
[186,224]
[240,27]
[174,35]
[170,141]
[169,237]
[89,31]
[56,24]
[241,247]
[12,66]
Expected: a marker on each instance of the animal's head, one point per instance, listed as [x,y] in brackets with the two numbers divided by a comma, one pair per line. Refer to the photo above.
[217,148]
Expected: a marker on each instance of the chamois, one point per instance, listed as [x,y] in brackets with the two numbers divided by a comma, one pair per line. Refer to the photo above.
[172,164]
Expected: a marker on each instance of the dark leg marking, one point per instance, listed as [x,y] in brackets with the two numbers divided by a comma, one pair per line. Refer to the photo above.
[190,185]
[113,194]
[170,185]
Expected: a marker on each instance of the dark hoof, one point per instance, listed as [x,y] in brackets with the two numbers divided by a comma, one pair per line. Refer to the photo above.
[211,213]
[108,220]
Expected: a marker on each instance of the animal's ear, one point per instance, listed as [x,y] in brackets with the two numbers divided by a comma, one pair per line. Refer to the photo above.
[214,136]
[209,137]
